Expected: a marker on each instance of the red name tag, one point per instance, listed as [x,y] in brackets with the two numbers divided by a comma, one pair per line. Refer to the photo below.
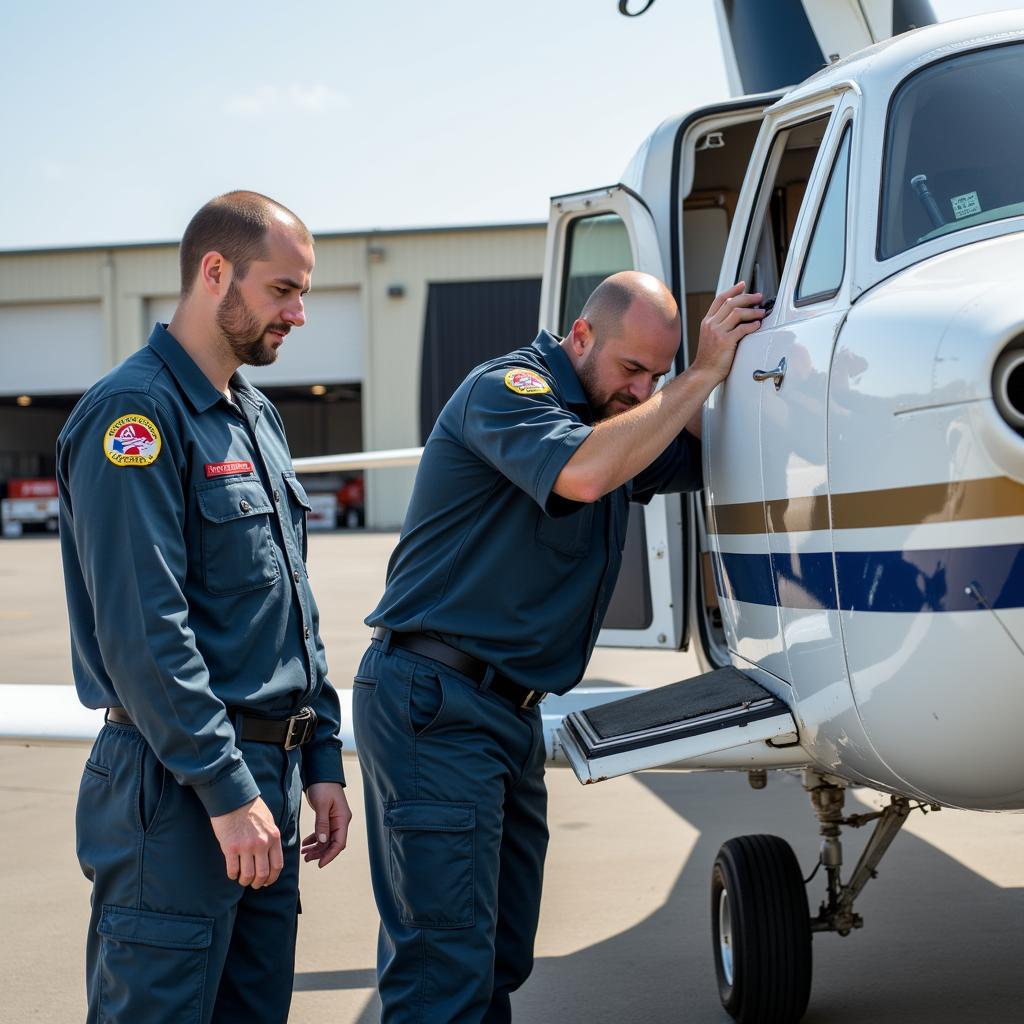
[227,468]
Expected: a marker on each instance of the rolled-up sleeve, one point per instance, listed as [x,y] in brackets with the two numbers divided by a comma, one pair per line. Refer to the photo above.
[528,438]
[127,524]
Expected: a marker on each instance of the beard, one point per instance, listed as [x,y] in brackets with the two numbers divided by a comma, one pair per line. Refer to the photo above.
[243,331]
[601,404]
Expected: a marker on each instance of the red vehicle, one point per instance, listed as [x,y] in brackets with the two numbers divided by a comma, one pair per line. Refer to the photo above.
[30,502]
[350,502]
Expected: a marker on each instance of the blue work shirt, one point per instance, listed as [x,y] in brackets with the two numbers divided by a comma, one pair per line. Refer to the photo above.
[490,559]
[183,537]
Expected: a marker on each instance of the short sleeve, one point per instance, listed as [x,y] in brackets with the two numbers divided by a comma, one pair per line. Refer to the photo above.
[677,468]
[514,421]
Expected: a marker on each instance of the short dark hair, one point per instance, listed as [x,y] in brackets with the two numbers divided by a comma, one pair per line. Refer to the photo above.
[235,225]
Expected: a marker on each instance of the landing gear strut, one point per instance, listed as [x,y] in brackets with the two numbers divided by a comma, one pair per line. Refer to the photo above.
[760,920]
[836,911]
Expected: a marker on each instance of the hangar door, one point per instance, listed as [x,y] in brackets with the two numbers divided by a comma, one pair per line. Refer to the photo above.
[327,350]
[52,348]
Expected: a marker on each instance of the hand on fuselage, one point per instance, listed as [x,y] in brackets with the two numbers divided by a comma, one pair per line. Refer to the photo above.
[733,315]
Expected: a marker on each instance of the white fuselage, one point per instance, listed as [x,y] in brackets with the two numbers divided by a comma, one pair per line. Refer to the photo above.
[884,577]
[866,519]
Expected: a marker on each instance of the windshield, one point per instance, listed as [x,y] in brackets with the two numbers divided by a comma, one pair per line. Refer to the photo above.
[954,149]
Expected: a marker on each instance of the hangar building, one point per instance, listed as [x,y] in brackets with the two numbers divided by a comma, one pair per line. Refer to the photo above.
[394,320]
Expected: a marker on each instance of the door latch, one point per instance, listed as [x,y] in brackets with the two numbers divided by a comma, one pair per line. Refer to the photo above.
[776,375]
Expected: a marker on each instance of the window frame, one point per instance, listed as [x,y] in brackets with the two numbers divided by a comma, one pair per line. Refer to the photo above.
[570,231]
[845,139]
[762,196]
[883,164]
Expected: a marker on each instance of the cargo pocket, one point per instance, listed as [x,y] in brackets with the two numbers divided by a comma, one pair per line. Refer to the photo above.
[432,862]
[165,958]
[238,552]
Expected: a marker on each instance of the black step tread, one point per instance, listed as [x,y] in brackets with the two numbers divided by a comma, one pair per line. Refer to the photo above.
[721,690]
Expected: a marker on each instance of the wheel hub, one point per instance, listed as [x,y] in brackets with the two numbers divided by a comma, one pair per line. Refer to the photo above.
[725,935]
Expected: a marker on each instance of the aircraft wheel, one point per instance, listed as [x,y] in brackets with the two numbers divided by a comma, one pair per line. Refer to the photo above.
[762,931]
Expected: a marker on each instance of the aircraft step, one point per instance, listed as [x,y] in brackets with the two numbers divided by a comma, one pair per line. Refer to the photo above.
[721,719]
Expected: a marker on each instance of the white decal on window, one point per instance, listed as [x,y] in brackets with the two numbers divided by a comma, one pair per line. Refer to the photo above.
[965,205]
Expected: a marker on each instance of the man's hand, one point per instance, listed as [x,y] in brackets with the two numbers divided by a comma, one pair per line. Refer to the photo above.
[251,844]
[330,833]
[733,315]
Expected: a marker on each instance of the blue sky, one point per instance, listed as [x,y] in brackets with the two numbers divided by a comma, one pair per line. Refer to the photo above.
[121,118]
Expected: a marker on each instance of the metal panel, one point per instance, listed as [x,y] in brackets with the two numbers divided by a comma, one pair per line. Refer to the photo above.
[51,349]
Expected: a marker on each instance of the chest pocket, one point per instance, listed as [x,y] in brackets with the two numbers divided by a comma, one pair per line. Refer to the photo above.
[238,552]
[298,503]
[569,535]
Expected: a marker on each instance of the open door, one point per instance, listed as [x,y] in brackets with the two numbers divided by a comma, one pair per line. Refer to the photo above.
[591,235]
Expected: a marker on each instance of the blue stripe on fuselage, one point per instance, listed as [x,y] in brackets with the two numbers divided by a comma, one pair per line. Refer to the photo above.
[940,580]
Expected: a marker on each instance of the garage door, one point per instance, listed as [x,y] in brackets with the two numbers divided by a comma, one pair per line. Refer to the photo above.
[328,350]
[51,349]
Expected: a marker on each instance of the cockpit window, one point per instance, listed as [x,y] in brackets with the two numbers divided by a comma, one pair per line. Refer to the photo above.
[954,149]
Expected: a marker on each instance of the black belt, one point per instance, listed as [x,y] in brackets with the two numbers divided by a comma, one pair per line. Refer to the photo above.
[438,650]
[286,732]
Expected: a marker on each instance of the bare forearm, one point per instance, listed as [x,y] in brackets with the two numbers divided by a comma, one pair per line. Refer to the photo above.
[621,447]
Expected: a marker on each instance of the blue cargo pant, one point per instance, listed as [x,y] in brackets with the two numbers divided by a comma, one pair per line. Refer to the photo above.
[456,822]
[172,939]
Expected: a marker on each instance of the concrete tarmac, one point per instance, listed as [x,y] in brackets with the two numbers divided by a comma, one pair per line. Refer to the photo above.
[625,925]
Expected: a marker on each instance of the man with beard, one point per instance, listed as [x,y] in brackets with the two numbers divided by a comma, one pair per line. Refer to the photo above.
[183,537]
[494,598]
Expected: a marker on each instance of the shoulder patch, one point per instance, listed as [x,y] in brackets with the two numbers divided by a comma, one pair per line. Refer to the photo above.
[526,382]
[131,440]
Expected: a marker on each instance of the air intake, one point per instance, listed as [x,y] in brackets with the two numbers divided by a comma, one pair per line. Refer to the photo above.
[1008,387]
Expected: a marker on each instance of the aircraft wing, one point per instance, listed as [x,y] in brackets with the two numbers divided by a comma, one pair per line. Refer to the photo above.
[358,460]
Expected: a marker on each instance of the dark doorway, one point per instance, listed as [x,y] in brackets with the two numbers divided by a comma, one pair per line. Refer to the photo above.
[467,323]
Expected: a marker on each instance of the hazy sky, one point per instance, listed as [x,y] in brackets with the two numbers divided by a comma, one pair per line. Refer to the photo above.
[121,118]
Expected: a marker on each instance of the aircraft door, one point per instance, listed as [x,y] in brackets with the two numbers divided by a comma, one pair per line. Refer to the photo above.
[812,303]
[745,452]
[591,235]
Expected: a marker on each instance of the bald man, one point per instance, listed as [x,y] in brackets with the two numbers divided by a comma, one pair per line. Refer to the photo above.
[494,598]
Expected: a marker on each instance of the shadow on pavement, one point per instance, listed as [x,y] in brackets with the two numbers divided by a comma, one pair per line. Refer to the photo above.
[940,945]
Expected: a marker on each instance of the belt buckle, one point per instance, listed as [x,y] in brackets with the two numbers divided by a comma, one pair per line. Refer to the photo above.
[296,736]
[529,700]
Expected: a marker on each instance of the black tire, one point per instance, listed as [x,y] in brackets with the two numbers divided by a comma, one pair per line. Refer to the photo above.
[765,908]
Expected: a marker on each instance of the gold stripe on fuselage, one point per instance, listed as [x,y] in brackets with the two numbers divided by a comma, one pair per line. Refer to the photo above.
[989,498]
